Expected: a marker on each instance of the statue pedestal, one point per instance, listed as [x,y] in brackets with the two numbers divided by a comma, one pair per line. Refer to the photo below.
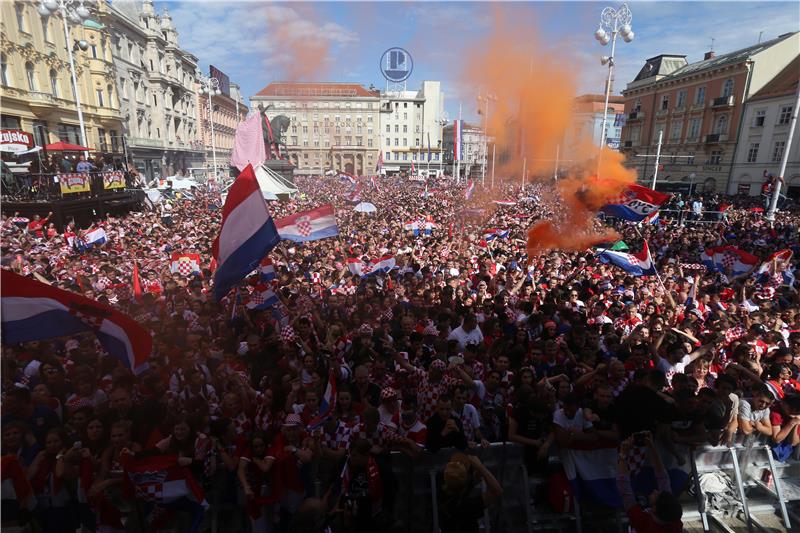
[282,167]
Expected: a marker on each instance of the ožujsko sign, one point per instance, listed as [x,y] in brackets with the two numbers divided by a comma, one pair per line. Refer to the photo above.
[15,141]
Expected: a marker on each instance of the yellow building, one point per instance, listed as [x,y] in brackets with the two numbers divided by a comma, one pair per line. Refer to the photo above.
[37,93]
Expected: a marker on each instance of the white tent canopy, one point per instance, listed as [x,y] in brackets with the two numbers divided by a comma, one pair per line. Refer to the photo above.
[272,184]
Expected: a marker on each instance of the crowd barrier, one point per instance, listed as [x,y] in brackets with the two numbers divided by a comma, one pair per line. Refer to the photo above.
[43,187]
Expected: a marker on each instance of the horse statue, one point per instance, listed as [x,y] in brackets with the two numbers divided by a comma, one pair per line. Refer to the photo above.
[274,131]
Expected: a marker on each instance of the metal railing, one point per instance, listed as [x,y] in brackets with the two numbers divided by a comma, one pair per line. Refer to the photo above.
[46,187]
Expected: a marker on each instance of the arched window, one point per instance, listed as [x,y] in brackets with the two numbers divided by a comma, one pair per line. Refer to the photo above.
[53,83]
[31,75]
[727,89]
[722,124]
[4,69]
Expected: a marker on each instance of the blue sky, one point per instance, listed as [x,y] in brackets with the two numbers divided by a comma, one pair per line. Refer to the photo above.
[236,37]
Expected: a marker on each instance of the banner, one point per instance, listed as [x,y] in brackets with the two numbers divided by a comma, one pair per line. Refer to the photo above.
[74,183]
[113,180]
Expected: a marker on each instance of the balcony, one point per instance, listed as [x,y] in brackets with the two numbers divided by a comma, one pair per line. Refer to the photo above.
[636,115]
[145,143]
[662,112]
[722,101]
[716,138]
[677,110]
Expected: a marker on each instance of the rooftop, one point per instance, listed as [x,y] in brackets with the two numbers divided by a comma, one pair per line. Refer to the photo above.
[314,89]
[783,84]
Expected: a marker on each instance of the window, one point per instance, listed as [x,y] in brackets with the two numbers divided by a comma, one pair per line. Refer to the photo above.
[369,143]
[46,29]
[20,9]
[396,128]
[305,129]
[53,83]
[388,155]
[752,153]
[690,159]
[348,141]
[694,128]
[758,118]
[405,156]
[388,141]
[101,135]
[110,96]
[388,129]
[155,100]
[675,130]
[396,141]
[4,69]
[31,75]
[69,133]
[396,156]
[417,141]
[405,116]
[722,125]
[665,102]
[405,104]
[338,129]
[681,99]
[94,51]
[40,133]
[716,157]
[305,143]
[359,141]
[114,141]
[405,128]
[700,96]
[151,65]
[777,151]
[727,89]
[785,116]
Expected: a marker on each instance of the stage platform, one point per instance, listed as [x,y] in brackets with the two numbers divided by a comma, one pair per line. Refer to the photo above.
[84,210]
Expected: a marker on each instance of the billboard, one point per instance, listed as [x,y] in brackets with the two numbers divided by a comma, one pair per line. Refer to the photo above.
[224,80]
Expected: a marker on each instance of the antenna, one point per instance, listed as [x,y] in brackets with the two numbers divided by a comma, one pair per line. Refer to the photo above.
[759,36]
[712,44]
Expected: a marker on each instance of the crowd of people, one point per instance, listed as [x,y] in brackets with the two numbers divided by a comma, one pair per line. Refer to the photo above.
[466,342]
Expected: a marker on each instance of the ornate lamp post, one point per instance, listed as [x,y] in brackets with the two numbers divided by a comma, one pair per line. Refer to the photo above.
[613,21]
[210,87]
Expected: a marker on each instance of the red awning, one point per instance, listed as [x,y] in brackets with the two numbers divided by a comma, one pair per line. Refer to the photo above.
[66,147]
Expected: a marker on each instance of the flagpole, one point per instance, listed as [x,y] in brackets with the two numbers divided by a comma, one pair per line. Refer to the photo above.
[524,171]
[459,140]
[655,268]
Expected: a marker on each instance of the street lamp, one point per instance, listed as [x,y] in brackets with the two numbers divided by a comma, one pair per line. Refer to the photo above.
[442,122]
[210,87]
[613,21]
[485,100]
[76,12]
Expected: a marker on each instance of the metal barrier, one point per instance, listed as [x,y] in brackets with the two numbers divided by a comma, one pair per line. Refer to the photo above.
[43,187]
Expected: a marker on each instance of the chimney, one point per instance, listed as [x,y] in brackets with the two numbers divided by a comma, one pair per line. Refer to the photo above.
[709,55]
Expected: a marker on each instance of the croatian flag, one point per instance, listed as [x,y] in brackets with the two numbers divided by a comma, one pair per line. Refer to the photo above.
[457,136]
[263,297]
[640,264]
[91,238]
[379,166]
[781,261]
[412,226]
[344,176]
[35,311]
[247,233]
[327,405]
[355,196]
[635,203]
[159,480]
[652,219]
[375,266]
[494,233]
[374,183]
[185,264]
[728,259]
[429,226]
[470,190]
[319,223]
[267,269]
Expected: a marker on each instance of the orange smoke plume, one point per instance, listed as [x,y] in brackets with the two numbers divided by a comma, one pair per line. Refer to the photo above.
[532,97]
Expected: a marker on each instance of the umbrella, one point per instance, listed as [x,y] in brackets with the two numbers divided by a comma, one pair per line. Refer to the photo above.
[61,146]
[365,207]
[268,195]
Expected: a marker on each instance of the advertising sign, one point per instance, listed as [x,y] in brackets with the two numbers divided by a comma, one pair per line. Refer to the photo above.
[15,141]
[396,65]
[71,183]
[113,180]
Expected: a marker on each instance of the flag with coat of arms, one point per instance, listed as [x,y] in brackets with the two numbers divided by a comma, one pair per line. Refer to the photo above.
[635,203]
[639,264]
[184,264]
[728,259]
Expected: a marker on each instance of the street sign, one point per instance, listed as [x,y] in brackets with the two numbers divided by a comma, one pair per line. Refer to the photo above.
[396,65]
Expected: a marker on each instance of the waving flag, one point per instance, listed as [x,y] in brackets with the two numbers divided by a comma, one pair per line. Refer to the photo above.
[344,176]
[376,266]
[635,203]
[33,311]
[429,225]
[91,238]
[248,143]
[470,190]
[374,182]
[137,283]
[319,223]
[159,480]
[728,259]
[640,264]
[379,166]
[494,233]
[328,403]
[355,196]
[412,165]
[653,218]
[247,233]
[263,297]
[781,261]
[267,269]
[184,264]
[412,226]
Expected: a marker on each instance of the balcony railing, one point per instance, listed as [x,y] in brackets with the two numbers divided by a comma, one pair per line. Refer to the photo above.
[147,143]
[636,115]
[714,138]
[722,101]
